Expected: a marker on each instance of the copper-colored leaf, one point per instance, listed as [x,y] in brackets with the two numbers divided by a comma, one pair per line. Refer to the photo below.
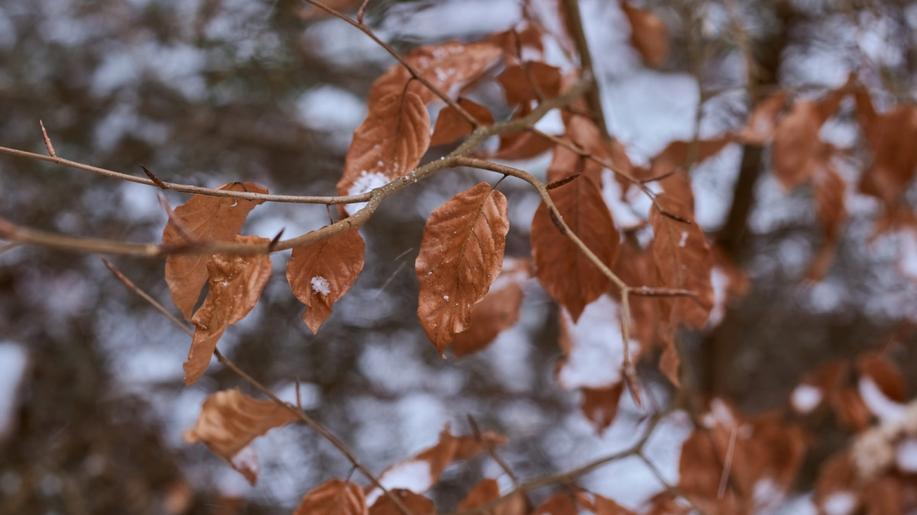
[600,505]
[522,145]
[421,472]
[684,260]
[487,491]
[831,210]
[388,144]
[322,272]
[204,218]
[600,405]
[333,497]
[416,503]
[880,369]
[891,139]
[530,81]
[561,503]
[762,121]
[451,126]
[647,34]
[497,311]
[561,267]
[235,284]
[682,154]
[230,420]
[460,256]
[449,66]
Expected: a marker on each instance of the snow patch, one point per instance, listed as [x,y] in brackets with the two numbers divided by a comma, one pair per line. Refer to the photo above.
[840,503]
[411,475]
[880,405]
[367,181]
[320,285]
[597,346]
[720,282]
[906,456]
[805,398]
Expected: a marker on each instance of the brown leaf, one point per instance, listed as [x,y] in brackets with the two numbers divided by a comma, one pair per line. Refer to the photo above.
[333,497]
[388,144]
[885,374]
[647,34]
[831,210]
[205,218]
[230,420]
[561,267]
[451,126]
[522,145]
[600,505]
[890,137]
[497,311]
[416,503]
[322,272]
[235,285]
[460,256]
[449,66]
[762,121]
[684,260]
[682,155]
[600,405]
[427,466]
[487,491]
[558,504]
[530,81]
[797,150]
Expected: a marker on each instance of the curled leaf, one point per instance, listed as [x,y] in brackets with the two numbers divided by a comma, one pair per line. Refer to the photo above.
[321,273]
[333,497]
[530,81]
[204,218]
[235,285]
[460,255]
[418,504]
[230,420]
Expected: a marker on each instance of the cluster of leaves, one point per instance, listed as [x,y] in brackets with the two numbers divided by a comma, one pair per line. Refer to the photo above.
[469,291]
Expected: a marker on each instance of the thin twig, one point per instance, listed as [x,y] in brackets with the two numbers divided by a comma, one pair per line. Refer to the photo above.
[727,463]
[476,430]
[232,366]
[47,139]
[13,232]
[404,62]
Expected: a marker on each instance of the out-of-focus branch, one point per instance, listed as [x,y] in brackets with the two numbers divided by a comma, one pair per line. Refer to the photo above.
[572,475]
[575,26]
[317,426]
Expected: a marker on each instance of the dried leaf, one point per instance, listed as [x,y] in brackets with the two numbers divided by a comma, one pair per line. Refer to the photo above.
[558,504]
[561,267]
[599,505]
[891,139]
[230,420]
[416,503]
[522,145]
[460,256]
[647,34]
[388,144]
[421,472]
[205,218]
[797,150]
[600,405]
[682,155]
[322,272]
[486,491]
[497,311]
[449,66]
[235,285]
[762,121]
[333,497]
[684,260]
[451,126]
[530,81]
[828,187]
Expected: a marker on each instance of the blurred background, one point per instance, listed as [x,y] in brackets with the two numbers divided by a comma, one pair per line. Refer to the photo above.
[92,405]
